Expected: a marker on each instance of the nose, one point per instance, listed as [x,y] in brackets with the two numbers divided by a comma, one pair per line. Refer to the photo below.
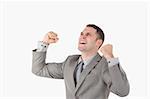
[83,36]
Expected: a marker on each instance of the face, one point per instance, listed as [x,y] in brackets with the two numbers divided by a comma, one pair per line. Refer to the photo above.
[88,40]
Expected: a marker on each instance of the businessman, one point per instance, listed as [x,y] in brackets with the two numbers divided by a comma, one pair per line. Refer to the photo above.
[86,76]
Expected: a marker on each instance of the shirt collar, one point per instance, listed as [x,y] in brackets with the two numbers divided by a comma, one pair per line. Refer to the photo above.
[86,62]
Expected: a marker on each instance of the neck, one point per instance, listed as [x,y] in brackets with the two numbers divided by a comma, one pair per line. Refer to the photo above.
[87,55]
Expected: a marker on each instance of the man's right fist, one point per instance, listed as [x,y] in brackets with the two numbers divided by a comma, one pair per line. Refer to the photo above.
[50,37]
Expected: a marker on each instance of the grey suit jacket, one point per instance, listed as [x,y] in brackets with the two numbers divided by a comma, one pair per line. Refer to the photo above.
[97,80]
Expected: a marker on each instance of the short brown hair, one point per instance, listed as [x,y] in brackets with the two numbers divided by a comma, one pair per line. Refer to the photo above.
[98,30]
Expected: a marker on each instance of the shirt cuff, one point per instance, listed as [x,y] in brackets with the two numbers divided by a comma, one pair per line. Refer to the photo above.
[42,47]
[112,62]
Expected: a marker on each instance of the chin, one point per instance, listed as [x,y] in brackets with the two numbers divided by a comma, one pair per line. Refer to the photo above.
[81,49]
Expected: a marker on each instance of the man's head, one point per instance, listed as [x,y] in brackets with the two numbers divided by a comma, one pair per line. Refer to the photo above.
[91,38]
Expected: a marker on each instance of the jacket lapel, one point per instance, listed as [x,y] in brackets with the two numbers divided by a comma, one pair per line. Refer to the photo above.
[73,64]
[86,71]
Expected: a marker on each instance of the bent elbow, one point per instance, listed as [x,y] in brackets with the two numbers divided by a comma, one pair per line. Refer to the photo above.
[124,91]
[35,71]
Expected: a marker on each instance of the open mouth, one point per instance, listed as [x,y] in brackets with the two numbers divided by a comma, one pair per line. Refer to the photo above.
[82,43]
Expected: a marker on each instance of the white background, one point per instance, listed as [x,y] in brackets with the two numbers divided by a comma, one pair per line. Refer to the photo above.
[24,23]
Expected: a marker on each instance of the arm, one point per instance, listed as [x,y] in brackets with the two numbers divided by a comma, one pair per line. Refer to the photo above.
[113,74]
[120,84]
[39,67]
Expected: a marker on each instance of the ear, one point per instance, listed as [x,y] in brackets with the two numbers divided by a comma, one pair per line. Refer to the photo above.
[99,43]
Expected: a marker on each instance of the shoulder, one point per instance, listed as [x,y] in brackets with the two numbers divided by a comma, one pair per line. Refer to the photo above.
[76,56]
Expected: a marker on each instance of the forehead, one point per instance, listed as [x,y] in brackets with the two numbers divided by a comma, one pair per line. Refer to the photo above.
[89,29]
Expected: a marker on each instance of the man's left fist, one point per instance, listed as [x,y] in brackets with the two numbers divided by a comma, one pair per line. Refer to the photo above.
[107,51]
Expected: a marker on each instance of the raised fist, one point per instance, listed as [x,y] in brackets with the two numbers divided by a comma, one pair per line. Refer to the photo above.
[50,37]
[107,51]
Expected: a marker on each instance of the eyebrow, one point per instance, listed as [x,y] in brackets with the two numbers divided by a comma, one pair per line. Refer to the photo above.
[86,33]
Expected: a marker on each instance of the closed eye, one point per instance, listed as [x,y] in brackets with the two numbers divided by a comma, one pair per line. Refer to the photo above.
[88,34]
[81,33]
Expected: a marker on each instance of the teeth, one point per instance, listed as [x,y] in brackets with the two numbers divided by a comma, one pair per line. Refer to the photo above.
[82,42]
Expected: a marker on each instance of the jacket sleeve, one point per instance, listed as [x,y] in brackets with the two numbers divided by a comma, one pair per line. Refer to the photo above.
[40,68]
[116,80]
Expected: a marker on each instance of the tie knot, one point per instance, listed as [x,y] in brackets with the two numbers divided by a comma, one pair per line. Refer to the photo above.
[82,63]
